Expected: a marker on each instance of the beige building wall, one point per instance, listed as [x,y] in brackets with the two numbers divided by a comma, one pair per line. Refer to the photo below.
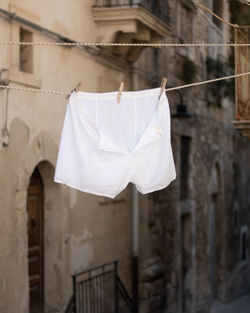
[80,230]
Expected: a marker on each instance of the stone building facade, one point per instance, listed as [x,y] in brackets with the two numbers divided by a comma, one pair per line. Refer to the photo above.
[199,230]
[193,247]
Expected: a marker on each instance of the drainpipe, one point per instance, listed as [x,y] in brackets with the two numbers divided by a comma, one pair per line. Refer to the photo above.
[135,222]
[5,133]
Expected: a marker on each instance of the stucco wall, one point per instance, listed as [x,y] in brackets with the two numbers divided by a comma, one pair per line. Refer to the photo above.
[81,230]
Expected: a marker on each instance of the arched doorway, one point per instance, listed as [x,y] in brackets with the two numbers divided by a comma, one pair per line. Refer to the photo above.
[36,242]
[213,250]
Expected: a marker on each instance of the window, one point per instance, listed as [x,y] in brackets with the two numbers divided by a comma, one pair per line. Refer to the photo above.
[184,173]
[186,262]
[236,216]
[218,9]
[26,52]
[185,21]
[244,243]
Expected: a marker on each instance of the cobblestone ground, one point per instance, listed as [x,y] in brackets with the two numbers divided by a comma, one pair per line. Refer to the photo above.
[241,305]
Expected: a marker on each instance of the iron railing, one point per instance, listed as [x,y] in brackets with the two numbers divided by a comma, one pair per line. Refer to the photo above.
[71,305]
[159,8]
[125,303]
[100,290]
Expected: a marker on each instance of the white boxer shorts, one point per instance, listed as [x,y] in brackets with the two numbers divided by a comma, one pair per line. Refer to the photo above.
[105,145]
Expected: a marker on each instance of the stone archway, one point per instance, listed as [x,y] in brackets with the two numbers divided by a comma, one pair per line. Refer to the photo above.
[41,153]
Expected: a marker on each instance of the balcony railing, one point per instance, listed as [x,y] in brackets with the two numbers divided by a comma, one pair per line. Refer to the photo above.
[158,8]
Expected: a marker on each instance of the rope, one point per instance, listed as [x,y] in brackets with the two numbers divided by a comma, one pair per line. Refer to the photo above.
[113,44]
[52,92]
[64,93]
[215,15]
[207,81]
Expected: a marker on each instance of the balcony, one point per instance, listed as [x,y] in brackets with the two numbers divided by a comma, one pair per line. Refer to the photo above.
[130,21]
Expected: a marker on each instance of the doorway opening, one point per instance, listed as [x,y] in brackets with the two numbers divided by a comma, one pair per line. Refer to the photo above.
[35,210]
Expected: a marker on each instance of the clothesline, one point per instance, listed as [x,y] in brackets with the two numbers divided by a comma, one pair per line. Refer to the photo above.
[155,45]
[120,44]
[64,93]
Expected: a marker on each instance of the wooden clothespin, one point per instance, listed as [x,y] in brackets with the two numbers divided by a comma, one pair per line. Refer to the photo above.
[120,92]
[163,86]
[75,89]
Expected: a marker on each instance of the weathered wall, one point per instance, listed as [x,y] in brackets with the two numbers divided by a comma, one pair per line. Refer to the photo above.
[81,230]
[195,252]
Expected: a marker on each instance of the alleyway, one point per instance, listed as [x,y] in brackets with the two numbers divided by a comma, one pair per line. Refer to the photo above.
[241,305]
